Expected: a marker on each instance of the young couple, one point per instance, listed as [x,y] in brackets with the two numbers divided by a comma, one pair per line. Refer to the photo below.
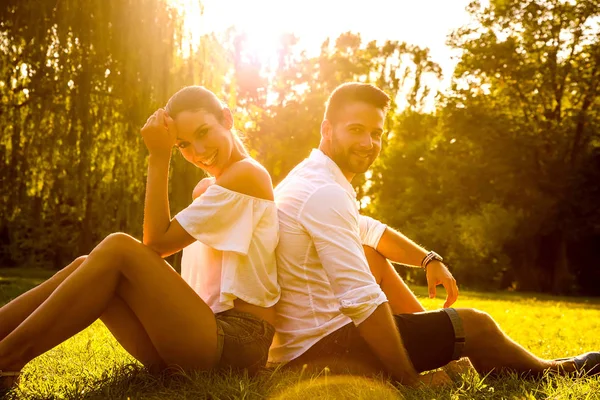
[296,275]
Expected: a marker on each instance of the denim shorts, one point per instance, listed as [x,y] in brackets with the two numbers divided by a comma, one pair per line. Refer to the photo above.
[432,339]
[243,340]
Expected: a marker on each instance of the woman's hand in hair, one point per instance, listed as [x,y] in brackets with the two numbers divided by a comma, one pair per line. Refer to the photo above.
[202,186]
[159,133]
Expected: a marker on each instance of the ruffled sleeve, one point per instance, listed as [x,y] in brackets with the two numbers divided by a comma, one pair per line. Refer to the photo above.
[220,218]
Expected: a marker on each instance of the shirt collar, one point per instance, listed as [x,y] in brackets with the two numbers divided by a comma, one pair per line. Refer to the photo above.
[317,156]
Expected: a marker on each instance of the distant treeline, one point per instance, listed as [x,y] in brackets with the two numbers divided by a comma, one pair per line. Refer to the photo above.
[502,178]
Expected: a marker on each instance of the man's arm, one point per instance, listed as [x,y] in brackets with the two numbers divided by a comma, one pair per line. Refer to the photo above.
[401,299]
[381,334]
[329,219]
[396,247]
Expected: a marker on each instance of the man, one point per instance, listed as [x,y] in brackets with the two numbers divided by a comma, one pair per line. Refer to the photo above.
[342,300]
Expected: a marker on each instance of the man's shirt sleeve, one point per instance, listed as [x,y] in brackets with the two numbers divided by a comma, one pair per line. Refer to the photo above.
[329,218]
[371,230]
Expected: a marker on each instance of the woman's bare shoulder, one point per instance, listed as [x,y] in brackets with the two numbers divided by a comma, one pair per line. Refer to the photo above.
[248,177]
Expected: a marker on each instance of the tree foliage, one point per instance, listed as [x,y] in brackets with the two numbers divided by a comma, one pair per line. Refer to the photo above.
[502,178]
[78,80]
[498,170]
[282,131]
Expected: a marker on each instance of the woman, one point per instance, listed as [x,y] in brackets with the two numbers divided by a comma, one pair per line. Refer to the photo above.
[219,312]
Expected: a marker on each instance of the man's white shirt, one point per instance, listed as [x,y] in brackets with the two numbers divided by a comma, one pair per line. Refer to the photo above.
[324,276]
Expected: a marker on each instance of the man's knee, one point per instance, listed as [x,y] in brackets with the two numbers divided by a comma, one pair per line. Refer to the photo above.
[372,254]
[477,324]
[377,262]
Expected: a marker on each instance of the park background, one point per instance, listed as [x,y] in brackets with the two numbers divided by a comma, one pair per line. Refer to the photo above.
[491,157]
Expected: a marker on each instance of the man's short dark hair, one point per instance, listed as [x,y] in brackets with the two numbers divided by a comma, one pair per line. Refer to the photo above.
[355,92]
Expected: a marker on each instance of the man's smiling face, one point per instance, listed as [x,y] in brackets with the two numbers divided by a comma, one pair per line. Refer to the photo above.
[355,136]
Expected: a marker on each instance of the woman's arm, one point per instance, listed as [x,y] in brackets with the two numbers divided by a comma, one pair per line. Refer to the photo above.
[157,217]
[163,235]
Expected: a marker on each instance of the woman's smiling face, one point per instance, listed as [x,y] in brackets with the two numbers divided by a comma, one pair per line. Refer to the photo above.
[204,141]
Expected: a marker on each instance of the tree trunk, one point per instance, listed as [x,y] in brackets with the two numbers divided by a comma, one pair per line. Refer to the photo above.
[562,279]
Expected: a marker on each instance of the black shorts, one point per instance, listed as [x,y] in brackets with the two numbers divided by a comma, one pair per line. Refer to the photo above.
[432,339]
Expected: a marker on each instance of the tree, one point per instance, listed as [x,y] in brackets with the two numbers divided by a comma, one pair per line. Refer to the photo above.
[78,80]
[281,133]
[509,144]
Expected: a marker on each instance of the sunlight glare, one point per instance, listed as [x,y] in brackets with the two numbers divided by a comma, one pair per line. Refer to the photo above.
[425,23]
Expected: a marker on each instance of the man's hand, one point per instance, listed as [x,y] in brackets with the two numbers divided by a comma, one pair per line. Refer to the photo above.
[159,133]
[438,274]
[202,186]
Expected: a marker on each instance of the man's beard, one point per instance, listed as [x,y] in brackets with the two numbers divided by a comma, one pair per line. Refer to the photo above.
[347,161]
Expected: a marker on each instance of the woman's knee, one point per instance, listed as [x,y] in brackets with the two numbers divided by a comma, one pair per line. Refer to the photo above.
[116,245]
[119,241]
[79,260]
[72,267]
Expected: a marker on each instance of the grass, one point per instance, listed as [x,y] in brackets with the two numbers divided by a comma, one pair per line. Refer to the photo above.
[93,365]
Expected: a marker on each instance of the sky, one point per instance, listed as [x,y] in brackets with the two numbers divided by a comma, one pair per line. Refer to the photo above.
[421,22]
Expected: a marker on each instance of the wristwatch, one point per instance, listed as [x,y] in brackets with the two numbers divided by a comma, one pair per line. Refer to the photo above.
[432,255]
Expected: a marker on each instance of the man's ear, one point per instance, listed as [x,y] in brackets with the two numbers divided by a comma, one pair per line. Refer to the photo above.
[326,129]
[227,118]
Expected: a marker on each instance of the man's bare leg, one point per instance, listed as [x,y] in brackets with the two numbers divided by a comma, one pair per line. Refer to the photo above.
[402,299]
[491,350]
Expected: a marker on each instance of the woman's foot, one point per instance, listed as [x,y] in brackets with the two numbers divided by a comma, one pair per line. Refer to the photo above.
[8,380]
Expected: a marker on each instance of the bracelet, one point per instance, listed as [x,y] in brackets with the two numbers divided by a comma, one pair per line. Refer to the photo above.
[432,255]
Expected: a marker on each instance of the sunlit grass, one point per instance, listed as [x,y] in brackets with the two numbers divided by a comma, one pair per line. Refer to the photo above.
[93,365]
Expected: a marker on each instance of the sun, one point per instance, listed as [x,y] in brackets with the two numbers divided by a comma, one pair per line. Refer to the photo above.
[263,45]
[261,40]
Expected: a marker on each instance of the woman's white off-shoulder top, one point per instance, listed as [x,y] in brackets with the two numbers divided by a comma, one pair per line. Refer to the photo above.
[234,253]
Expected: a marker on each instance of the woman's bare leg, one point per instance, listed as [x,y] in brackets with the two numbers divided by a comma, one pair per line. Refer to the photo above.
[117,317]
[15,312]
[179,324]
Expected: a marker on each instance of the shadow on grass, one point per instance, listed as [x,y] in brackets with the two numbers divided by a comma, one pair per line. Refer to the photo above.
[134,382]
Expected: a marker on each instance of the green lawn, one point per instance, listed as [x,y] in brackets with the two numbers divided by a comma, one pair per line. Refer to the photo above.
[93,365]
